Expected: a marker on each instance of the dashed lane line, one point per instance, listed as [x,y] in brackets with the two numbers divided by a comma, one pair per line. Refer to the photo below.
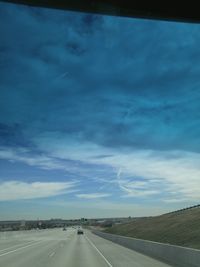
[52,254]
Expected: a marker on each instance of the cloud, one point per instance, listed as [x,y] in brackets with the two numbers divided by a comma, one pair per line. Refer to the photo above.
[52,163]
[22,155]
[141,174]
[144,91]
[76,97]
[16,190]
[131,191]
[92,195]
[146,173]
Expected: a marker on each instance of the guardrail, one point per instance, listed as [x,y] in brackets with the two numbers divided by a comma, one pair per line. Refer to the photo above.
[175,255]
[187,208]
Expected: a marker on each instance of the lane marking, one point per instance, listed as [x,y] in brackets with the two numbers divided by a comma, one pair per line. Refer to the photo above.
[35,243]
[93,245]
[29,242]
[52,254]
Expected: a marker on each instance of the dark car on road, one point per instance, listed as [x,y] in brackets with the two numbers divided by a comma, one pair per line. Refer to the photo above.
[80,232]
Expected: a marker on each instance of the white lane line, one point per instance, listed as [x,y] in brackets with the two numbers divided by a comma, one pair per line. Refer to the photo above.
[52,254]
[16,246]
[91,243]
[35,243]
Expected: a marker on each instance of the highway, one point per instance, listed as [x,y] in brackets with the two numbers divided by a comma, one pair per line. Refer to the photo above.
[57,248]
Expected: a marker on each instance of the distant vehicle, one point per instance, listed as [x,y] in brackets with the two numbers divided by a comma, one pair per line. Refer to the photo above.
[80,232]
[64,229]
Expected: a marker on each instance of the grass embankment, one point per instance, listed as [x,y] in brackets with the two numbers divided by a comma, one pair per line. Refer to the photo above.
[181,228]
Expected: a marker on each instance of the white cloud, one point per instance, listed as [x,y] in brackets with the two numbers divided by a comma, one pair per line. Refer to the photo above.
[137,193]
[134,188]
[177,177]
[93,195]
[173,175]
[15,190]
[21,155]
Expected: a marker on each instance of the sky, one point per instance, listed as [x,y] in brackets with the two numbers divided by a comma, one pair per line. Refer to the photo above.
[99,115]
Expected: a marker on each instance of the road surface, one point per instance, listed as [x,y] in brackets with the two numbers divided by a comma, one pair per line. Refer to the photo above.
[57,248]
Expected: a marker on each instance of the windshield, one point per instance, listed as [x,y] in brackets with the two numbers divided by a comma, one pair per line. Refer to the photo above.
[99,126]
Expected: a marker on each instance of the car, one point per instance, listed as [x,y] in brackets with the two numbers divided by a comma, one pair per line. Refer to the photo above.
[80,232]
[64,229]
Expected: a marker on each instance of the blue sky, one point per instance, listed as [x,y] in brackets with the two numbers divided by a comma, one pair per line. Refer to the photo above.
[99,115]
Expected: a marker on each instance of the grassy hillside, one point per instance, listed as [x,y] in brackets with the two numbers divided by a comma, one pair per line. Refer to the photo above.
[181,228]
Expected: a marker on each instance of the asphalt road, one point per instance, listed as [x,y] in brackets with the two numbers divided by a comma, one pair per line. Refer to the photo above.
[57,248]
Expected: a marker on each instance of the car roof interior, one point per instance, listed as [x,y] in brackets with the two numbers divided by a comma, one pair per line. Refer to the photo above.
[137,9]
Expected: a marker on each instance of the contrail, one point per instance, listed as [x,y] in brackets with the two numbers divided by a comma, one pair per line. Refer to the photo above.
[62,76]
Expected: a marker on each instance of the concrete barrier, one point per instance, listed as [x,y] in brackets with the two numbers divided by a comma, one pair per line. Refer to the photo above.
[174,255]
